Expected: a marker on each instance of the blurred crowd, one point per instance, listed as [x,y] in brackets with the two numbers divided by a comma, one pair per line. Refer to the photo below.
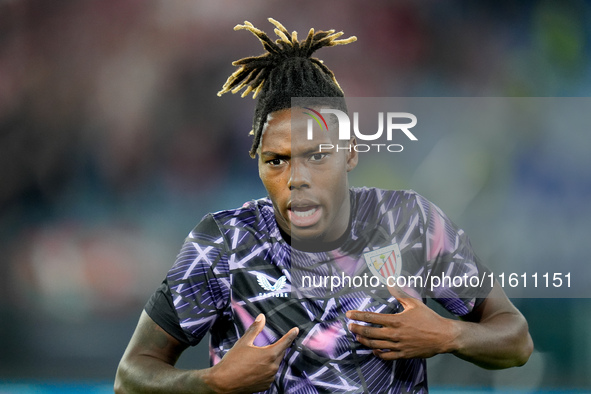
[113,143]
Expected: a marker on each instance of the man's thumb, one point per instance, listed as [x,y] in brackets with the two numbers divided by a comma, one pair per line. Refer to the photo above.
[255,329]
[285,341]
[403,297]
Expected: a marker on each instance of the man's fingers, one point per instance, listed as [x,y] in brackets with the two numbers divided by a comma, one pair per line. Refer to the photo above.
[255,329]
[368,317]
[285,341]
[371,332]
[388,355]
[377,344]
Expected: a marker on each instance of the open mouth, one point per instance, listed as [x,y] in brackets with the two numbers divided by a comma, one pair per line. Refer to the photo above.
[304,216]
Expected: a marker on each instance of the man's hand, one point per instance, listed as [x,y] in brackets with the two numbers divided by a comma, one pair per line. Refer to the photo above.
[494,335]
[247,368]
[148,363]
[415,332]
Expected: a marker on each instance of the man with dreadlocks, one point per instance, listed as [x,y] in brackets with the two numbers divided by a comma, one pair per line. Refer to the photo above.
[263,338]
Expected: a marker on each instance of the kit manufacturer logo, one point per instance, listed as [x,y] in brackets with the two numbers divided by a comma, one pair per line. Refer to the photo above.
[273,290]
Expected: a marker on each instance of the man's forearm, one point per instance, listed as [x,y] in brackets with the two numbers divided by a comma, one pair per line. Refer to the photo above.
[501,341]
[145,374]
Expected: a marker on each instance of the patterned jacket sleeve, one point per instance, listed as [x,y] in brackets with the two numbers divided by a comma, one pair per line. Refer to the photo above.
[456,278]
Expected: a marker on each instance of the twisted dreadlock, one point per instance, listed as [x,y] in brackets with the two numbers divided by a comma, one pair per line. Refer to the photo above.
[286,70]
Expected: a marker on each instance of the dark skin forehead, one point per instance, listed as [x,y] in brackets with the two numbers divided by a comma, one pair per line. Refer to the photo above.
[287,135]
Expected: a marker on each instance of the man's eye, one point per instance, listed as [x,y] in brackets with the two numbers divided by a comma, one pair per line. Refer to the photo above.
[275,162]
[318,156]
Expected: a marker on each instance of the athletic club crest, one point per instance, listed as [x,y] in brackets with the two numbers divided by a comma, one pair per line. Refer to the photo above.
[384,262]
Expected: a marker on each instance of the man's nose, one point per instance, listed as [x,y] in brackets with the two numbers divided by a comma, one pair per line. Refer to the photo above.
[299,176]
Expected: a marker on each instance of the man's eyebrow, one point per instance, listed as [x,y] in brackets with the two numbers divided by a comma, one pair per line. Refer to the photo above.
[315,149]
[273,154]
[310,151]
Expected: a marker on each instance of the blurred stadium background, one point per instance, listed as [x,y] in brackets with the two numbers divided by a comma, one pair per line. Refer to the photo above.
[113,144]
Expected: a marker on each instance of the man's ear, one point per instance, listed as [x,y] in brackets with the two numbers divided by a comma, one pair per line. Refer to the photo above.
[352,155]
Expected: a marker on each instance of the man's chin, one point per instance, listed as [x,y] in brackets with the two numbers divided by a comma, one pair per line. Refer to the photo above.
[305,233]
[301,237]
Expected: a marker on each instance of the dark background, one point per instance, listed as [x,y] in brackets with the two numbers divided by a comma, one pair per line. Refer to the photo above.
[113,145]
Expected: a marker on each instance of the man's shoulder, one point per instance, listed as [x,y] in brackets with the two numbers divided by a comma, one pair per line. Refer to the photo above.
[375,195]
[255,216]
[392,209]
[244,214]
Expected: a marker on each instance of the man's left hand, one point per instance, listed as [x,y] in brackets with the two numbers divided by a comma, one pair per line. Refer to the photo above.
[416,332]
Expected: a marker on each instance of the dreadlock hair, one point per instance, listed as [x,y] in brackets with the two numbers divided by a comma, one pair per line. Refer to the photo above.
[286,70]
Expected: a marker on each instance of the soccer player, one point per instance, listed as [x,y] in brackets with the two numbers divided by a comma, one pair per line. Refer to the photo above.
[236,275]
